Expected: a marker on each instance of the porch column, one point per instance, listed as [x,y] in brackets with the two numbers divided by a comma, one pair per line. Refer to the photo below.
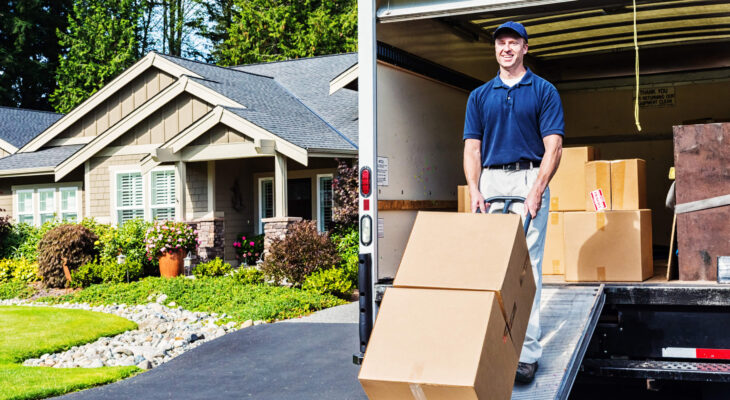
[211,188]
[180,191]
[280,179]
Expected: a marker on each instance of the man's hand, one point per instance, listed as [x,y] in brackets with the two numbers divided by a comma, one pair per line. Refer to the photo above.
[477,202]
[533,202]
[550,161]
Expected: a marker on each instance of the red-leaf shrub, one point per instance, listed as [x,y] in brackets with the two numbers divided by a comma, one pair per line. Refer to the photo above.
[303,251]
[345,194]
[73,243]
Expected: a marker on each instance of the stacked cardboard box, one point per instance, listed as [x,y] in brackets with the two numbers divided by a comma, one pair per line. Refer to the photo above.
[453,324]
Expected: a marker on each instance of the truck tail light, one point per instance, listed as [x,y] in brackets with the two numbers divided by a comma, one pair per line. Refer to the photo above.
[366,230]
[365,181]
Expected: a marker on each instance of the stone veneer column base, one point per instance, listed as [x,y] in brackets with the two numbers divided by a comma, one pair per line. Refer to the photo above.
[211,234]
[276,228]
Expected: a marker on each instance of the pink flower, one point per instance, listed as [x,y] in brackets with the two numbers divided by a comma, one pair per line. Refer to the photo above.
[251,243]
[257,254]
[243,238]
[249,254]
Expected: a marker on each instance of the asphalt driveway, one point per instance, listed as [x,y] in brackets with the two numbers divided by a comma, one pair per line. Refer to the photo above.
[310,359]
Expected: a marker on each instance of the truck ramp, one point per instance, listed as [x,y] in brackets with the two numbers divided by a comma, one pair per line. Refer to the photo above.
[568,315]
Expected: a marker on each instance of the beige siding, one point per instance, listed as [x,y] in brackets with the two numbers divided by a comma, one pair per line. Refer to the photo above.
[197,187]
[167,122]
[141,89]
[100,184]
[221,134]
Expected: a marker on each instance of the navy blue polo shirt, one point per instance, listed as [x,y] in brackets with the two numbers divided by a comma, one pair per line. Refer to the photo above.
[511,121]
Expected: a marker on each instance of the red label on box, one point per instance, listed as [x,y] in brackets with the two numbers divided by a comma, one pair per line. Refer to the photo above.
[599,202]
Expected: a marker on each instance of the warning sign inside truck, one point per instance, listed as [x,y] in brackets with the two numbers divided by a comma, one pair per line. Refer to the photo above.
[657,97]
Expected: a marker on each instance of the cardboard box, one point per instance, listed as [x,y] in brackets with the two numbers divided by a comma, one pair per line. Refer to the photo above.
[628,184]
[566,188]
[439,344]
[613,246]
[553,260]
[464,199]
[472,252]
[597,177]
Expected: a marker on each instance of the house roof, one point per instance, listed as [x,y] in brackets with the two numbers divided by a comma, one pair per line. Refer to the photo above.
[272,105]
[45,158]
[309,80]
[19,126]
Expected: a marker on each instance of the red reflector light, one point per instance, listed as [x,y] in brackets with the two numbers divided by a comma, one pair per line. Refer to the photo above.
[365,181]
[366,205]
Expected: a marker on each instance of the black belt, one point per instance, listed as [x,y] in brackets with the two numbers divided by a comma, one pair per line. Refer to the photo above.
[516,166]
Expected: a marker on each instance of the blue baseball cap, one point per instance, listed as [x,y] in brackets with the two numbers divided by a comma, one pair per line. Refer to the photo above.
[513,26]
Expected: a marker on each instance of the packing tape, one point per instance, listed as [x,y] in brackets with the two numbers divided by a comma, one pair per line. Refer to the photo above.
[556,267]
[618,171]
[417,391]
[601,273]
[526,264]
[554,218]
[600,221]
[554,202]
[512,317]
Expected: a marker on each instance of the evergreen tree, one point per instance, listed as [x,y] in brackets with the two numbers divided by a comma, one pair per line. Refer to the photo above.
[214,24]
[269,30]
[29,50]
[102,41]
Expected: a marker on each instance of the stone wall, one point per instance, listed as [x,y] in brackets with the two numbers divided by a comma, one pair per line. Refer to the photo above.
[211,234]
[276,228]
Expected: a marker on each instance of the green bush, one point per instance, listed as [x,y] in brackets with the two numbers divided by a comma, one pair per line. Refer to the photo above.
[334,281]
[72,244]
[97,272]
[13,289]
[347,241]
[20,270]
[303,251]
[215,267]
[23,239]
[249,276]
[104,232]
[249,248]
[129,239]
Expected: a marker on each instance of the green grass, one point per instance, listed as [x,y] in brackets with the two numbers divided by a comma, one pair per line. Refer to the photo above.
[27,332]
[220,295]
[13,289]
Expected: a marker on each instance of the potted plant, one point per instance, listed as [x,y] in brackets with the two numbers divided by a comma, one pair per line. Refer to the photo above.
[169,241]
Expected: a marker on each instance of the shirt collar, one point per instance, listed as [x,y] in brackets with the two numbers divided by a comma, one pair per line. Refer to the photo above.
[526,80]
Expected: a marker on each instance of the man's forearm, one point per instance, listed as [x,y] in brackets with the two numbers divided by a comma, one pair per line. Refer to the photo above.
[472,165]
[549,164]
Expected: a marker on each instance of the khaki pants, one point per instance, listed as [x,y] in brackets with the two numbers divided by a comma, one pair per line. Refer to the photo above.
[497,182]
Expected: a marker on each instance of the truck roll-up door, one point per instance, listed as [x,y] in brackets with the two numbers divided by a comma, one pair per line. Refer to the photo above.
[406,10]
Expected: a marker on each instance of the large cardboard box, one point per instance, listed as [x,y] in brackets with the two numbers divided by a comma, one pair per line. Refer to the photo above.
[553,260]
[472,252]
[438,345]
[464,198]
[628,184]
[612,246]
[597,177]
[566,188]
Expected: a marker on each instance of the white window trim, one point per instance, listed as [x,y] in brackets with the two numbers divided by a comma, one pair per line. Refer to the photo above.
[319,210]
[54,210]
[35,199]
[60,211]
[260,186]
[147,187]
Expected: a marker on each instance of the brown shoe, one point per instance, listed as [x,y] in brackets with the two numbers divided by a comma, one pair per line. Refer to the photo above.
[526,372]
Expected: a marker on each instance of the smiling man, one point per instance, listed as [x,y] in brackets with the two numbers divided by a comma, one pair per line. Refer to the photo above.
[513,137]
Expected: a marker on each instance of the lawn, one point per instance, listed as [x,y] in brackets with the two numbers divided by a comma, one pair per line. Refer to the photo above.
[27,332]
[220,295]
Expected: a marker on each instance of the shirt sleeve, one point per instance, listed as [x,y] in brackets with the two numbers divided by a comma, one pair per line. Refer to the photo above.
[473,125]
[551,114]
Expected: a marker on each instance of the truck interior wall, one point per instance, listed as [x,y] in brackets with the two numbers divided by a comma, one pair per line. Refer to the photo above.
[420,124]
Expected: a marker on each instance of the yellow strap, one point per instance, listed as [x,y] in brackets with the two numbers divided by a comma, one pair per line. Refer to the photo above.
[636,49]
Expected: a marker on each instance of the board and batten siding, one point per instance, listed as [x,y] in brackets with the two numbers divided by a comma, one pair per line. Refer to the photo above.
[118,106]
[221,134]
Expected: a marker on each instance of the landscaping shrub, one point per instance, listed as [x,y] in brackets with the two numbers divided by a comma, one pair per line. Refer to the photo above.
[23,239]
[72,243]
[20,270]
[249,248]
[169,236]
[249,276]
[345,193]
[347,241]
[129,239]
[15,289]
[215,267]
[303,251]
[104,232]
[6,226]
[334,281]
[96,272]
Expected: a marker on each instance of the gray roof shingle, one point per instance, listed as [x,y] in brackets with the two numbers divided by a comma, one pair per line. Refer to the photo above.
[48,157]
[19,126]
[272,106]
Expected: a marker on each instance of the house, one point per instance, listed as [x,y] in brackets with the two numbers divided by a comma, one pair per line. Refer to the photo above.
[169,138]
[18,126]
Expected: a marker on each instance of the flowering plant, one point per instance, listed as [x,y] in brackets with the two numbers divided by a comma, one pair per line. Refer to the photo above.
[168,236]
[249,248]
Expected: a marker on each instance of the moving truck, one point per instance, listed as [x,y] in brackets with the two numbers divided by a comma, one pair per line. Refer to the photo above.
[418,62]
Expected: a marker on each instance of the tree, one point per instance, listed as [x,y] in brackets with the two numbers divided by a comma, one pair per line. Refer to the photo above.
[345,193]
[29,50]
[102,42]
[269,30]
[214,24]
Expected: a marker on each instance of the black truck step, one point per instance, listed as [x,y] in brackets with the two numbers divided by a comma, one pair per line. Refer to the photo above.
[666,370]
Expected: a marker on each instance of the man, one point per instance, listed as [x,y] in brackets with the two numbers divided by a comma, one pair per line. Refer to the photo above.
[513,137]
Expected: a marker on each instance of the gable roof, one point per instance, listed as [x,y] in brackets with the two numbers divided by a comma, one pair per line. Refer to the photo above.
[309,80]
[41,161]
[19,126]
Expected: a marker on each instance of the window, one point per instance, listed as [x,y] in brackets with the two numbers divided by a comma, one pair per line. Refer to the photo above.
[25,206]
[69,206]
[266,200]
[163,194]
[47,204]
[130,197]
[324,205]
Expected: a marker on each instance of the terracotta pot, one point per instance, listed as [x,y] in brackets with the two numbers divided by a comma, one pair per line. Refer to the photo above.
[171,264]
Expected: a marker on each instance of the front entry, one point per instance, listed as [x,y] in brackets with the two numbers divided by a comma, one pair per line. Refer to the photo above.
[299,198]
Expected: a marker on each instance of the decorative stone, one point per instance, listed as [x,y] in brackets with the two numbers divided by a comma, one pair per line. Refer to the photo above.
[247,323]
